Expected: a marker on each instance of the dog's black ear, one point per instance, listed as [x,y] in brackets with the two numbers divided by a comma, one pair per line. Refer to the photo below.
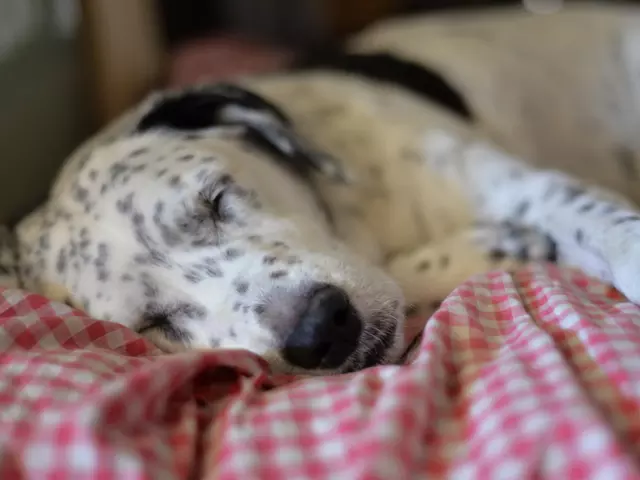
[265,125]
[202,108]
[386,67]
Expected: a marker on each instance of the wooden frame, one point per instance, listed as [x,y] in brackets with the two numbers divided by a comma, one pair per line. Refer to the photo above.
[124,51]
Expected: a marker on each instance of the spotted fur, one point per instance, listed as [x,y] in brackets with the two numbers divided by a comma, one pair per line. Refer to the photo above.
[204,218]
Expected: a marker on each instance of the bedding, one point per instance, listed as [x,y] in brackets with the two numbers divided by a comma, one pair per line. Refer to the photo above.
[528,375]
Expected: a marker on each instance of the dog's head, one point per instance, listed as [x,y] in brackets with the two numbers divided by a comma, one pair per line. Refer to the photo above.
[211,230]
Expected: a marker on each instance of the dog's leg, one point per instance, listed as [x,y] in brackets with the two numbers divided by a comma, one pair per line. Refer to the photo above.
[428,274]
[593,229]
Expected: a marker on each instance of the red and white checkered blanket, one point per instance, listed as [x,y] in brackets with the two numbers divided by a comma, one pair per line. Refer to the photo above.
[535,375]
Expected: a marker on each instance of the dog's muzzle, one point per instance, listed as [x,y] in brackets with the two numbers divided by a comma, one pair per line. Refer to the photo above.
[327,333]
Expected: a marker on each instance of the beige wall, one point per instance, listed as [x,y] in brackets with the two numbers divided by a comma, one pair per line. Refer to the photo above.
[44,111]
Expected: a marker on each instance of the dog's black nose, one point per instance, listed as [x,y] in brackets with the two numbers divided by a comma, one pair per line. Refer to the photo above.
[327,333]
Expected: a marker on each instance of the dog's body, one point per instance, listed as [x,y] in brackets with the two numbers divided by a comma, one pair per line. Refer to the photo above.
[228,230]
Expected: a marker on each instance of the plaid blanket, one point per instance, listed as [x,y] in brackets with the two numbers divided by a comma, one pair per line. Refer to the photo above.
[532,375]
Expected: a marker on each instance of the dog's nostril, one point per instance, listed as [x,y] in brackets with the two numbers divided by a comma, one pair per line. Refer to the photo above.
[327,333]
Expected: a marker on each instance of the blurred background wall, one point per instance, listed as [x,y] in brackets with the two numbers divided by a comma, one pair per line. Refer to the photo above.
[43,105]
[69,66]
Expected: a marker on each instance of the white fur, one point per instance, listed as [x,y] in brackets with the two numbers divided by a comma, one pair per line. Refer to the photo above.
[420,180]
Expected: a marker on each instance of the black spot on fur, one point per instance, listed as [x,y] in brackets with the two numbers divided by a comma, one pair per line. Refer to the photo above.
[175,180]
[237,306]
[61,262]
[80,194]
[587,207]
[232,253]
[579,236]
[189,310]
[626,219]
[214,342]
[444,261]
[93,175]
[522,209]
[242,287]
[44,242]
[269,259]
[139,151]
[149,287]
[293,260]
[497,255]
[259,309]
[125,205]
[423,266]
[388,68]
[552,252]
[193,276]
[278,274]
[233,333]
[156,319]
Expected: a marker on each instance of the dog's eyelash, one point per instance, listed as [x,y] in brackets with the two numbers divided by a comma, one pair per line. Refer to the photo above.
[213,199]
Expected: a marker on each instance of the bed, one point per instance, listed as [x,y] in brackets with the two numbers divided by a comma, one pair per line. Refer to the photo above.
[532,375]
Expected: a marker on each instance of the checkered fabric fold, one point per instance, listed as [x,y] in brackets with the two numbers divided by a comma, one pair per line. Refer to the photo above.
[535,375]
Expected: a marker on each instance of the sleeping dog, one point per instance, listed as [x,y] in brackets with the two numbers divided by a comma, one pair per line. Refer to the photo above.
[299,215]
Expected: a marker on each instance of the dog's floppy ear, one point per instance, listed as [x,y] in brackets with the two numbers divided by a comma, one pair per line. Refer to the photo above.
[265,126]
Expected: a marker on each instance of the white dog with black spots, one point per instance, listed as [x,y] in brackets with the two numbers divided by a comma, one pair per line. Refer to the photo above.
[299,215]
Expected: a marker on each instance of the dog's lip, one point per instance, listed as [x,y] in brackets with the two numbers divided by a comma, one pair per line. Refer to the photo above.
[376,353]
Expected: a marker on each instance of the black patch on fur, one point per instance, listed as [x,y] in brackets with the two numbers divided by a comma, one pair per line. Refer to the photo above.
[552,253]
[269,259]
[423,266]
[278,274]
[139,151]
[264,125]
[587,207]
[200,109]
[497,255]
[161,320]
[232,253]
[388,68]
[579,236]
[242,287]
[61,262]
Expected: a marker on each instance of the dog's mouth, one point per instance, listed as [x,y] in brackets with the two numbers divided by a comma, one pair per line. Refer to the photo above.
[378,343]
